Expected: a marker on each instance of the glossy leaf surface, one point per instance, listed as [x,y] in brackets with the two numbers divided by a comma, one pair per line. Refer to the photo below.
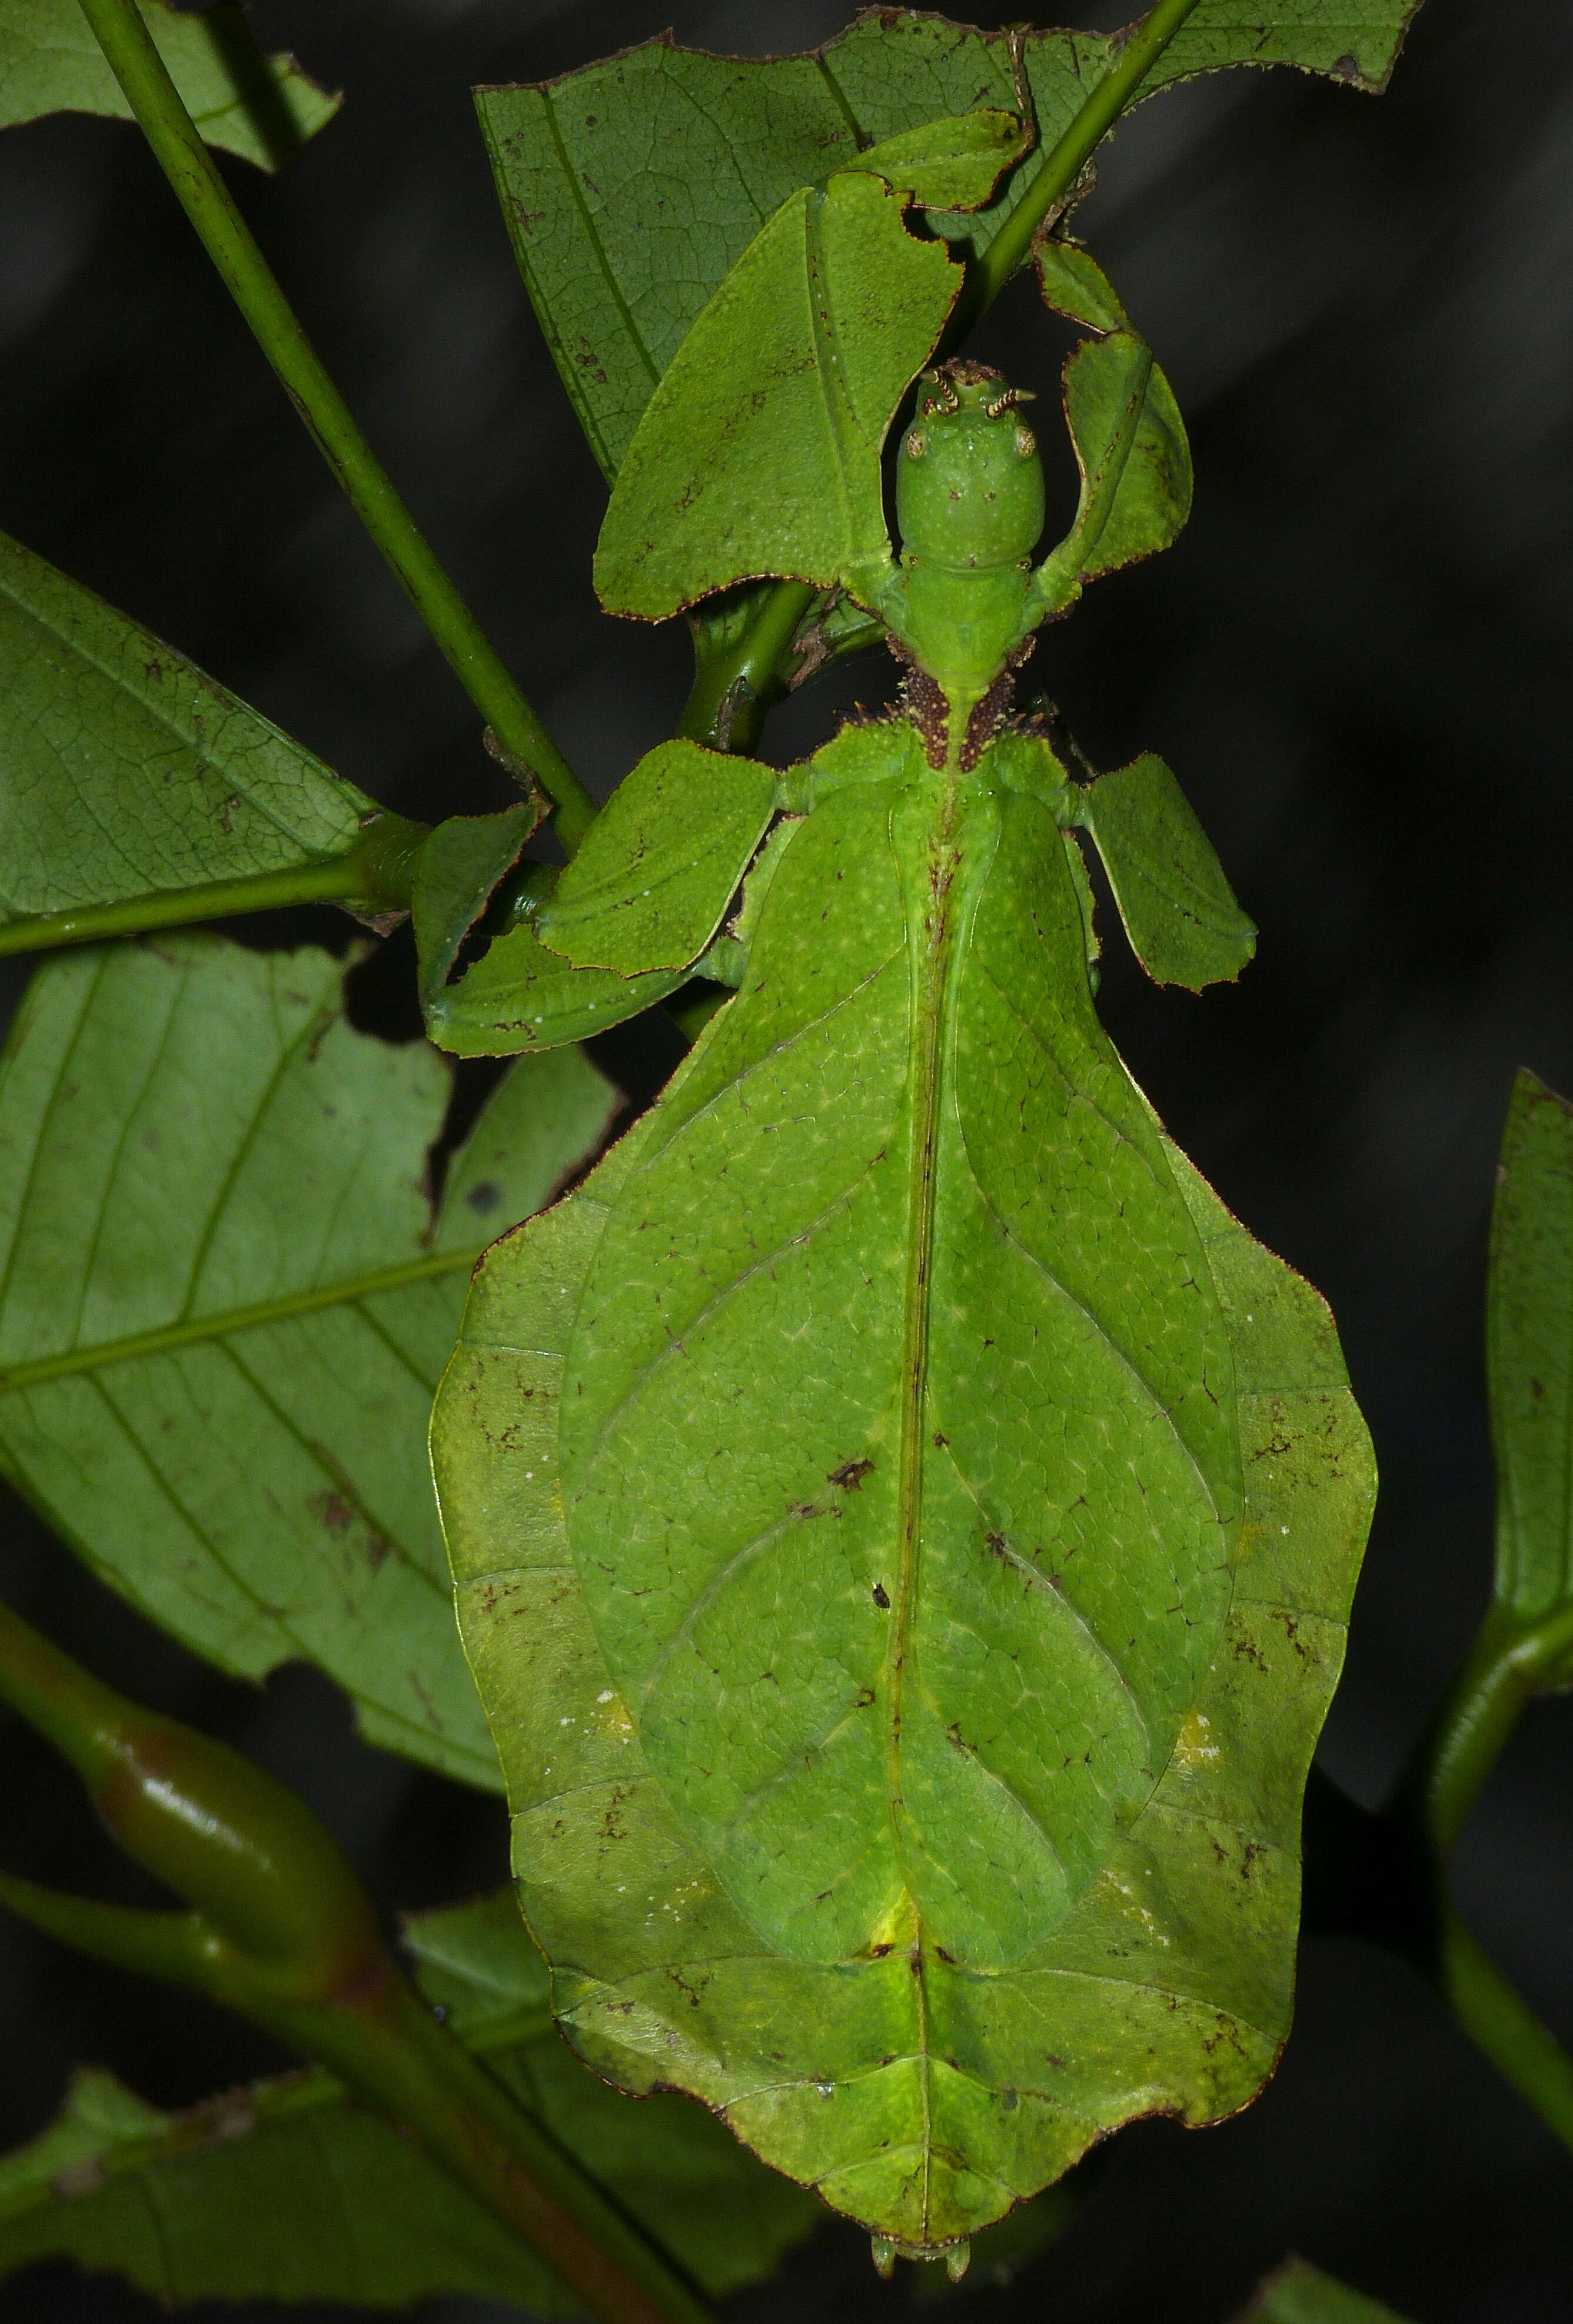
[632,187]
[1530,1353]
[662,861]
[286,2191]
[759,450]
[907,1648]
[1179,910]
[1299,2293]
[226,1301]
[262,108]
[126,769]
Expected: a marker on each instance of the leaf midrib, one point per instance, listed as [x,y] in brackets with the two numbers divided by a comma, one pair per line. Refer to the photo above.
[192,1330]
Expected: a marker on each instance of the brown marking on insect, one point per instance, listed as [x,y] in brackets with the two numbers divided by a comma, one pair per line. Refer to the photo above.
[850,1475]
[925,703]
[1292,1631]
[986,718]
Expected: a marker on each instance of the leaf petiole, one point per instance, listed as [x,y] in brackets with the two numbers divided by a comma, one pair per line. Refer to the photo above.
[375,875]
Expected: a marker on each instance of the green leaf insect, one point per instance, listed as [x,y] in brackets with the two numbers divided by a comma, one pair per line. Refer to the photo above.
[903,1527]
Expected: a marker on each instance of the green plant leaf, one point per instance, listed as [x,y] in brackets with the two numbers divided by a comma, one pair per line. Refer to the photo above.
[1179,910]
[262,108]
[127,770]
[226,1300]
[631,188]
[288,2190]
[1299,2293]
[456,875]
[662,861]
[518,997]
[1529,1354]
[759,450]
[906,1647]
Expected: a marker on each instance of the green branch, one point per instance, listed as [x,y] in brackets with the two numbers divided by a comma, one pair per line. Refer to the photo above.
[1510,1664]
[156,102]
[1065,161]
[746,678]
[280,1931]
[1505,2028]
[375,875]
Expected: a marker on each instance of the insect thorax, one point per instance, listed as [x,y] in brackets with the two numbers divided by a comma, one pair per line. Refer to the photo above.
[969,507]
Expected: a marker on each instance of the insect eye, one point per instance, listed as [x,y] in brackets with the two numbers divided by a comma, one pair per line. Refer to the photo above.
[1027,443]
[916,443]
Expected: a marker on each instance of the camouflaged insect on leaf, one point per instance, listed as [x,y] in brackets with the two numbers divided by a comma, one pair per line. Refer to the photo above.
[903,1527]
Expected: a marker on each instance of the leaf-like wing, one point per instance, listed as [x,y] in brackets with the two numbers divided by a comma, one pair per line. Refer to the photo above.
[948,165]
[226,1302]
[1299,2293]
[262,108]
[125,769]
[662,861]
[286,2191]
[631,188]
[759,450]
[455,874]
[1529,1349]
[518,997]
[1125,427]
[936,1578]
[1179,910]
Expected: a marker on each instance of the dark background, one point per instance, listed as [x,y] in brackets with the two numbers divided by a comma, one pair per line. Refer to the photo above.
[1357,658]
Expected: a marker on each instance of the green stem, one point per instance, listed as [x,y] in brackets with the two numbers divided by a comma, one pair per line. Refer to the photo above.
[1065,161]
[156,102]
[283,1933]
[1510,1664]
[376,875]
[753,664]
[1505,2028]
[734,690]
[388,2048]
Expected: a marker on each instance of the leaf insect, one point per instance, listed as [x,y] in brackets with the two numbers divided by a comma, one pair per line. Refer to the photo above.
[903,1525]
